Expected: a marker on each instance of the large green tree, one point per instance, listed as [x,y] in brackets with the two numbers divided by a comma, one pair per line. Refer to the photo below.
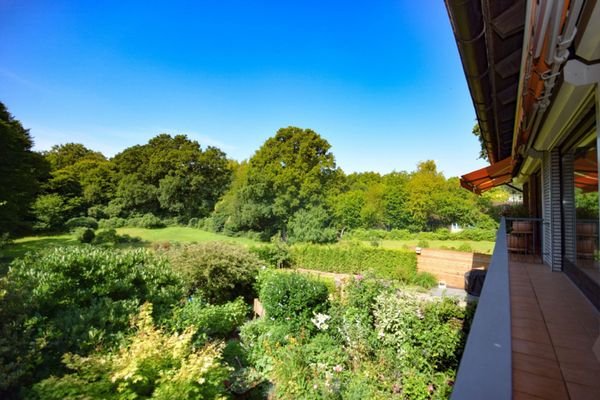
[21,170]
[170,175]
[292,170]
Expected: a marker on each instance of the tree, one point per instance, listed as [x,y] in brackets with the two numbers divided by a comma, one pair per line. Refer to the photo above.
[64,155]
[21,171]
[291,171]
[180,178]
[312,226]
[483,150]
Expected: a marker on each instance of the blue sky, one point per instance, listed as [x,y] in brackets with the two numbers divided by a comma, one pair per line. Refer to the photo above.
[380,80]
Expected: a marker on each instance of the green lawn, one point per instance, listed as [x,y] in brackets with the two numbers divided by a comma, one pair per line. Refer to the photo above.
[181,234]
[485,247]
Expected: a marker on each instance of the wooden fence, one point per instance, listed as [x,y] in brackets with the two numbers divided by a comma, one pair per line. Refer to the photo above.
[450,266]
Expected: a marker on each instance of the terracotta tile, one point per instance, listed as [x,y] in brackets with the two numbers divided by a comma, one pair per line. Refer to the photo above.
[572,340]
[527,314]
[536,365]
[524,396]
[523,300]
[533,334]
[555,327]
[525,322]
[547,388]
[533,349]
[574,356]
[581,392]
[583,376]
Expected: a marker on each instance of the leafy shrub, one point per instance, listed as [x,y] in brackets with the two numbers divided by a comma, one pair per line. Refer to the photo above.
[112,223]
[291,296]
[210,321]
[85,235]
[277,254]
[484,232]
[193,222]
[466,247]
[424,244]
[82,222]
[73,299]
[152,365]
[218,271]
[383,263]
[106,237]
[148,221]
[97,212]
[311,226]
[424,279]
[5,240]
[429,333]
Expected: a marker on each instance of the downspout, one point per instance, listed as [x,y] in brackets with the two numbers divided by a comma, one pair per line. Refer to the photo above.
[557,55]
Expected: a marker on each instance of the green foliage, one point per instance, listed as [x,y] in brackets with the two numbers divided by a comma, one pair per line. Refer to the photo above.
[376,343]
[291,171]
[291,296]
[388,264]
[51,212]
[209,321]
[73,299]
[21,171]
[152,365]
[81,222]
[149,221]
[85,235]
[106,237]
[311,226]
[586,204]
[276,254]
[218,271]
[474,234]
[112,223]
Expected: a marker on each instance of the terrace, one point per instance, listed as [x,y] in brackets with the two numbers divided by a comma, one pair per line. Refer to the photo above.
[535,334]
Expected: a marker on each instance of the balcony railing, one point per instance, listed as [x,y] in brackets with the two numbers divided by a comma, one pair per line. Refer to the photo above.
[485,368]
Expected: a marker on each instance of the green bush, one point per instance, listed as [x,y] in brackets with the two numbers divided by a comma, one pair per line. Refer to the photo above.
[383,263]
[148,221]
[73,299]
[106,237]
[291,296]
[5,240]
[466,247]
[84,235]
[152,364]
[209,321]
[311,226]
[218,271]
[422,243]
[82,222]
[276,254]
[112,223]
[485,232]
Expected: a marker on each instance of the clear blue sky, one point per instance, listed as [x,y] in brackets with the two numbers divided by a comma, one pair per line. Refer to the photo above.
[380,80]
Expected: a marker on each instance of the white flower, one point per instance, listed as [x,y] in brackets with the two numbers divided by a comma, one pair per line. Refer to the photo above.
[320,321]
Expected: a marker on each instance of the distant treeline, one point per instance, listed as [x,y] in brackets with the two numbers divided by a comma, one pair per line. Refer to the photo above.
[290,187]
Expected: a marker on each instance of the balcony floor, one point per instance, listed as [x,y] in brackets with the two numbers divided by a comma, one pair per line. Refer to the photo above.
[554,331]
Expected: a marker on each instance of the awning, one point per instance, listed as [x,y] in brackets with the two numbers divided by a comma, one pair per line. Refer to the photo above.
[489,177]
[586,171]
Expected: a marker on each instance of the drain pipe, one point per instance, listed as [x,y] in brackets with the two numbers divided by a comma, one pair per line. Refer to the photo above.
[557,55]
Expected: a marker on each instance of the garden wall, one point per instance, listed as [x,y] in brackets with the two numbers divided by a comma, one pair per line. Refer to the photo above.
[450,266]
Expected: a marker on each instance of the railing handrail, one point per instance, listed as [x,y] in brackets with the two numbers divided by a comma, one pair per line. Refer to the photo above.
[485,370]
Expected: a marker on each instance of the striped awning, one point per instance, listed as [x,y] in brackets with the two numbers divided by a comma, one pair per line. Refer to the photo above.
[489,177]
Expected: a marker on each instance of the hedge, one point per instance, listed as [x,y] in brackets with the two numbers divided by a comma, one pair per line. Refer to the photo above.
[383,263]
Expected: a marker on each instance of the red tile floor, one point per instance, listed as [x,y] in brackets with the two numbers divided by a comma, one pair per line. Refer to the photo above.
[554,334]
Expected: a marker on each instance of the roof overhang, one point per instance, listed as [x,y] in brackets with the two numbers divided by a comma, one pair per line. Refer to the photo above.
[487,178]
